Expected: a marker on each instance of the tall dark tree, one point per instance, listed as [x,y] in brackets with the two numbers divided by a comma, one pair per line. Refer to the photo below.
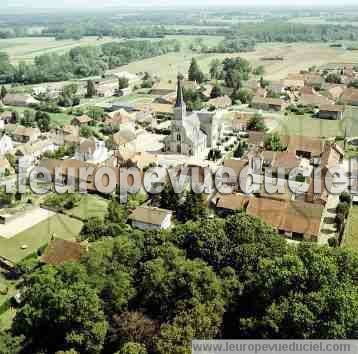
[193,207]
[169,199]
[91,89]
[216,91]
[123,83]
[194,73]
[3,92]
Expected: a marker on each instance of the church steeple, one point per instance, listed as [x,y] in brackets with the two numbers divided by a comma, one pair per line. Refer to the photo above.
[180,107]
[180,100]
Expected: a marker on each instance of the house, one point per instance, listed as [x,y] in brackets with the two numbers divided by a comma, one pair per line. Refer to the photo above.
[69,129]
[297,220]
[313,79]
[60,251]
[92,150]
[221,102]
[106,88]
[123,139]
[349,97]
[241,120]
[332,111]
[6,117]
[120,119]
[6,144]
[150,218]
[162,88]
[294,81]
[334,91]
[313,100]
[26,134]
[277,87]
[237,166]
[167,99]
[268,104]
[256,138]
[226,204]
[81,120]
[283,160]
[157,110]
[19,100]
[140,160]
[303,146]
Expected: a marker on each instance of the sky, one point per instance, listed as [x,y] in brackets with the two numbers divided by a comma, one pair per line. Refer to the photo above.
[67,4]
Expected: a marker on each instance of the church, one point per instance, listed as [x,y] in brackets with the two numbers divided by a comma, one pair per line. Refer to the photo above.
[192,133]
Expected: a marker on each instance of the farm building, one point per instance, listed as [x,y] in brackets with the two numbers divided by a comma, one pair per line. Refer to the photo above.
[335,112]
[149,218]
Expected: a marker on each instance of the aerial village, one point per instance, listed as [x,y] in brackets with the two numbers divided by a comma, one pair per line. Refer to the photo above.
[164,128]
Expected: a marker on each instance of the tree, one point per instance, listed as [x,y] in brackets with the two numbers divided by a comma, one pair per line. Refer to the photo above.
[28,119]
[123,83]
[133,327]
[194,73]
[10,344]
[203,321]
[96,113]
[169,199]
[235,71]
[215,69]
[133,348]
[116,213]
[93,229]
[259,71]
[245,96]
[43,121]
[86,132]
[216,91]
[345,197]
[256,123]
[240,149]
[193,100]
[193,207]
[61,311]
[334,78]
[91,89]
[3,92]
[273,143]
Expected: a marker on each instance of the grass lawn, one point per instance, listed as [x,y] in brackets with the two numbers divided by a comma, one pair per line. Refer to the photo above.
[315,127]
[89,206]
[56,118]
[351,239]
[37,236]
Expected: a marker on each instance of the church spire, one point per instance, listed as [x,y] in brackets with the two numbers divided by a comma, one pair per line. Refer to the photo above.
[180,107]
[180,99]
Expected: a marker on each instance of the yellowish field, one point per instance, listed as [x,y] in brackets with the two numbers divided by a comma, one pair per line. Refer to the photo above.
[297,56]
[28,48]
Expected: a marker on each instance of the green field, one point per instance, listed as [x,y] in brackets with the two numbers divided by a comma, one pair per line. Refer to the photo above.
[315,127]
[60,226]
[26,49]
[89,206]
[351,239]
